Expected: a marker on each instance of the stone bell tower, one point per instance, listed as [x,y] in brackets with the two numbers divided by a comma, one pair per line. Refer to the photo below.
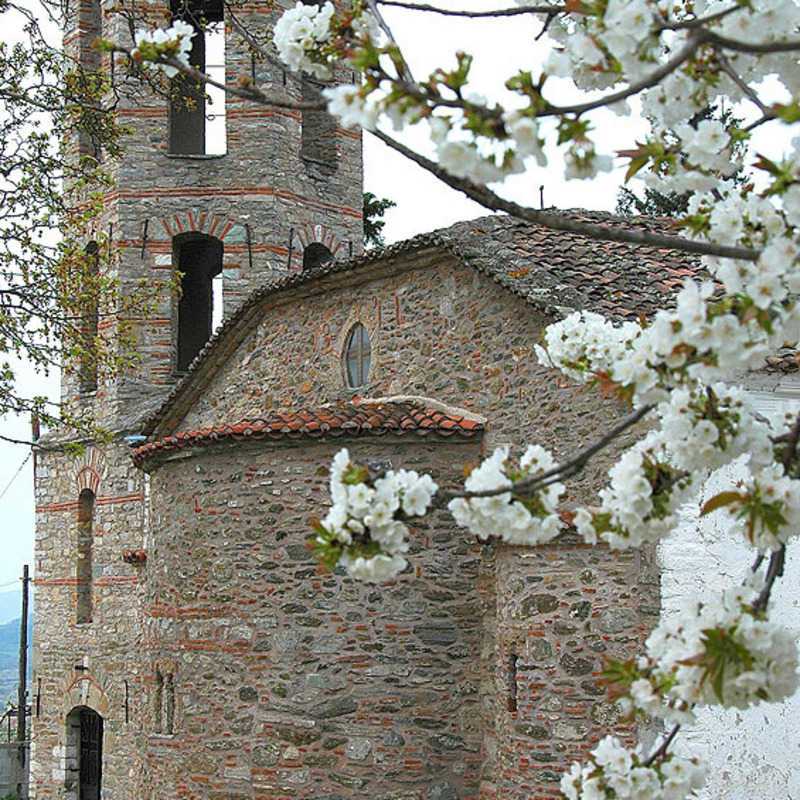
[217,196]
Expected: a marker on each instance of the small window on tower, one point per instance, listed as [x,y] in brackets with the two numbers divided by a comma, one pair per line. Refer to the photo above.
[357,357]
[318,131]
[197,112]
[164,702]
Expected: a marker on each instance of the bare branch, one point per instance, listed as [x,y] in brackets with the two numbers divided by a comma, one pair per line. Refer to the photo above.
[500,12]
[560,222]
[406,70]
[654,78]
[661,750]
[566,470]
[746,89]
[247,93]
[750,47]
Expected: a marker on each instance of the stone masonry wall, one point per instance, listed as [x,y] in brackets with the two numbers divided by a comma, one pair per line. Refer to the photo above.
[295,684]
[562,609]
[87,664]
[442,330]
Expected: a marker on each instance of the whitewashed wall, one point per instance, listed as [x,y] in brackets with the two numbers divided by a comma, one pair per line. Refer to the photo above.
[752,754]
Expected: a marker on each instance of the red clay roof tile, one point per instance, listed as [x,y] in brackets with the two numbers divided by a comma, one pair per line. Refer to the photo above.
[354,419]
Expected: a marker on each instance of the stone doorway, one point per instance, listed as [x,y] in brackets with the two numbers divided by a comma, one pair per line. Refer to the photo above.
[84,761]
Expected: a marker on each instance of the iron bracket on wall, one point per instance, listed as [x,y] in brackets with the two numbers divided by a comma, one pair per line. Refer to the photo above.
[144,236]
[249,245]
[291,245]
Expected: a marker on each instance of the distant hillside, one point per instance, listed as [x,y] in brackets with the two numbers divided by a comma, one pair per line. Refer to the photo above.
[10,605]
[9,654]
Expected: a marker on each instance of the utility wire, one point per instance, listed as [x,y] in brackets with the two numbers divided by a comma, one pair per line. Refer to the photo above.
[16,475]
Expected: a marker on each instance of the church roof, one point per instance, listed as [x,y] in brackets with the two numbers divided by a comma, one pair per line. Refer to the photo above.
[367,418]
[556,272]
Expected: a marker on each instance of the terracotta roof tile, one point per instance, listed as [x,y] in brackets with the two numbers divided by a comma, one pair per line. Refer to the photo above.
[354,419]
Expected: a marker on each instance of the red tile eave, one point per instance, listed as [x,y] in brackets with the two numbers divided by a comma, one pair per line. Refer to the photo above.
[378,419]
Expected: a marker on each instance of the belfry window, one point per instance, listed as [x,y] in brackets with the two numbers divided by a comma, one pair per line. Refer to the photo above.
[199,260]
[197,112]
[315,255]
[357,357]
[83,566]
[318,130]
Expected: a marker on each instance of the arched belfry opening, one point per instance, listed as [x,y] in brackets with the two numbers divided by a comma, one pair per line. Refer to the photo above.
[197,127]
[315,255]
[83,767]
[199,259]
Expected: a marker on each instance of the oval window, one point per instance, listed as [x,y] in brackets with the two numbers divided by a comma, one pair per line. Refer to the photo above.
[357,356]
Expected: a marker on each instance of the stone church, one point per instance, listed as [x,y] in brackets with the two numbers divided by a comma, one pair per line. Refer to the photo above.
[186,646]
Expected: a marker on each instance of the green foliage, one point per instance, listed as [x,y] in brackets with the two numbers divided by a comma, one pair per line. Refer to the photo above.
[57,291]
[374,209]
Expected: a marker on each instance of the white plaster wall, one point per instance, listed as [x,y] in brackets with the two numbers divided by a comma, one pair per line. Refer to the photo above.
[752,754]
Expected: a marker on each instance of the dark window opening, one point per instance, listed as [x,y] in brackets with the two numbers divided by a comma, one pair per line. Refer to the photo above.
[357,356]
[164,703]
[315,255]
[83,567]
[318,130]
[158,701]
[511,682]
[197,112]
[199,259]
[87,371]
[84,754]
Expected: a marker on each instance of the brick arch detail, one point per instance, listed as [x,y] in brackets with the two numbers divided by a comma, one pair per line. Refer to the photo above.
[308,233]
[88,470]
[87,690]
[197,222]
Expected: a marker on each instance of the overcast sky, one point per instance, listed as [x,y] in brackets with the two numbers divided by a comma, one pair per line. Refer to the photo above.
[500,48]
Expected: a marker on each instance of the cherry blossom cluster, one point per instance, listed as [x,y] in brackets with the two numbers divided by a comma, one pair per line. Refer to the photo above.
[766,507]
[302,31]
[364,529]
[706,427]
[701,340]
[516,516]
[599,47]
[154,45]
[716,652]
[640,502]
[613,771]
[701,429]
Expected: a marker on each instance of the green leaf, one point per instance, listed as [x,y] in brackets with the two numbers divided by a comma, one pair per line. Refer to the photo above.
[720,501]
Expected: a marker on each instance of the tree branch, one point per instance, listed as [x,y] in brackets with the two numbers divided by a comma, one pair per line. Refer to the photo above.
[560,222]
[661,750]
[557,473]
[500,12]
[654,78]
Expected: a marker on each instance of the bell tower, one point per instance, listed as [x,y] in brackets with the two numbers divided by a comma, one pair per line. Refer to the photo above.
[210,198]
